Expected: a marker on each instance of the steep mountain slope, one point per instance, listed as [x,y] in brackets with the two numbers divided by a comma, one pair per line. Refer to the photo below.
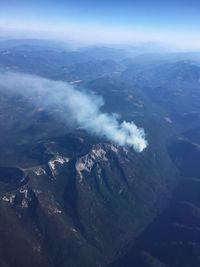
[90,201]
[172,239]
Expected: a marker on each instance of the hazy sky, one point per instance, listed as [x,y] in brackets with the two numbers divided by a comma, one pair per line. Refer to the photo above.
[104,21]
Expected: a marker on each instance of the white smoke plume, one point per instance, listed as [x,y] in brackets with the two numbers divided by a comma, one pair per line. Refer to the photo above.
[79,107]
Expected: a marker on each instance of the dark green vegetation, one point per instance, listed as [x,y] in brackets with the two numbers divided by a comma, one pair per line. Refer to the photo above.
[71,199]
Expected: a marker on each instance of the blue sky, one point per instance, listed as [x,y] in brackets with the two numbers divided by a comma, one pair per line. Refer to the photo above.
[105,21]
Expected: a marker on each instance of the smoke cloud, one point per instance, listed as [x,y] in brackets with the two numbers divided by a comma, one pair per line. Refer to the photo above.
[80,108]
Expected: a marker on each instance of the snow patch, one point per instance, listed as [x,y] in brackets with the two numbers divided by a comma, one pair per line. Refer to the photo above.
[86,163]
[9,198]
[57,160]
[168,119]
[39,171]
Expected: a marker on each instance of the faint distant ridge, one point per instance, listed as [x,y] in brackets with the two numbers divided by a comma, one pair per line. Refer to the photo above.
[33,43]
